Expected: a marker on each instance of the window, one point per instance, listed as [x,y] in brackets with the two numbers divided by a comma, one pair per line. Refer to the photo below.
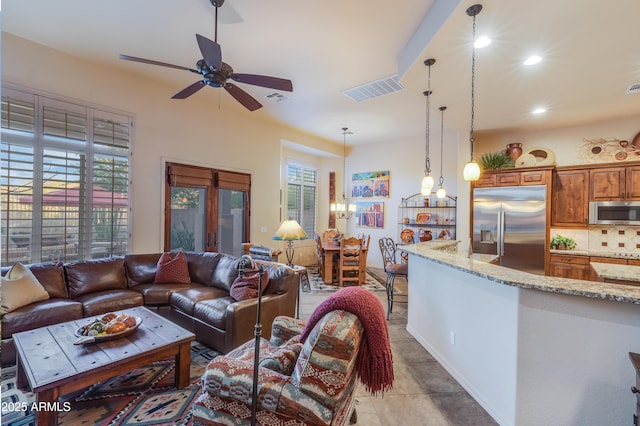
[64,180]
[206,209]
[301,196]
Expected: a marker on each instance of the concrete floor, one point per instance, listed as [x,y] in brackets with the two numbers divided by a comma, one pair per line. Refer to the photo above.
[423,392]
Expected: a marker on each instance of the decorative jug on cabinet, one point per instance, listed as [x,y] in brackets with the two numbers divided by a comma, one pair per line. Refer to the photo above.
[514,150]
[425,235]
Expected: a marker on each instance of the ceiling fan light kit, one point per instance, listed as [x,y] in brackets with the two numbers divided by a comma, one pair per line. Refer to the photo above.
[216,73]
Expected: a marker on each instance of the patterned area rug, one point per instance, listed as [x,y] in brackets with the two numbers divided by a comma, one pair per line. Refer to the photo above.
[372,283]
[144,396]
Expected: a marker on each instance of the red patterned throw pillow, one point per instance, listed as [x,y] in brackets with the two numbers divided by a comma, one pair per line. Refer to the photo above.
[173,270]
[245,286]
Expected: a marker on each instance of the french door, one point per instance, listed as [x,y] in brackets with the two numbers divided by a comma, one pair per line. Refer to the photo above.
[206,209]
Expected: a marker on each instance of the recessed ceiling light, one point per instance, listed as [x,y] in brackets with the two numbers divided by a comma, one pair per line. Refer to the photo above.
[532,60]
[539,111]
[481,42]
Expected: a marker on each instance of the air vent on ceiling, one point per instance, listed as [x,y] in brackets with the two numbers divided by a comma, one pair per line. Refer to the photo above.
[373,89]
[634,88]
[277,97]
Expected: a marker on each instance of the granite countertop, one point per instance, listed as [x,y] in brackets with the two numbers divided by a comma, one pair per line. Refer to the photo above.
[616,271]
[445,252]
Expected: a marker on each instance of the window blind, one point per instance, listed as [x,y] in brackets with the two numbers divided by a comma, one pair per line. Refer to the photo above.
[64,180]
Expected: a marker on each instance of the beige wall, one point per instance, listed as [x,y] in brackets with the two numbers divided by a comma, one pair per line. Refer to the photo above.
[194,131]
[571,144]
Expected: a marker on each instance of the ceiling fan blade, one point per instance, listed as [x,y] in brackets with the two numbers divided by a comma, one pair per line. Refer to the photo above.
[243,97]
[211,52]
[152,62]
[189,90]
[264,81]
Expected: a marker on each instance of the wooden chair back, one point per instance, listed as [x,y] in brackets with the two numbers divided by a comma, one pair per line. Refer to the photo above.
[349,261]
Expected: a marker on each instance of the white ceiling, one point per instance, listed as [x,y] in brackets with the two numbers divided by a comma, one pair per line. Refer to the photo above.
[590,49]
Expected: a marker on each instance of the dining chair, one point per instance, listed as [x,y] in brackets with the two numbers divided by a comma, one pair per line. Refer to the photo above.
[362,274]
[349,261]
[320,255]
[392,268]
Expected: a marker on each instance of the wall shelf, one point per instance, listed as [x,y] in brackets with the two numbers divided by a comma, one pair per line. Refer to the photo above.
[419,214]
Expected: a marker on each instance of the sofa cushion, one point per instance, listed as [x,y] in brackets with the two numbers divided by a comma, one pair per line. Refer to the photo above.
[50,275]
[20,288]
[202,266]
[245,286]
[101,302]
[41,314]
[172,269]
[278,280]
[159,294]
[141,268]
[185,300]
[90,276]
[213,311]
[225,273]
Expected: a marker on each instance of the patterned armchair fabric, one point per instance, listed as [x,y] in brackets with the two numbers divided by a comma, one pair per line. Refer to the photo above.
[317,391]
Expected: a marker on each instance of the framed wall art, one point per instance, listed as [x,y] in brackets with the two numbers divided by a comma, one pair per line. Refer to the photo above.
[370,184]
[370,214]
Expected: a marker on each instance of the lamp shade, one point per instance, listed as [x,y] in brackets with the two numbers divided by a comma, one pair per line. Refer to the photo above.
[471,171]
[427,185]
[290,230]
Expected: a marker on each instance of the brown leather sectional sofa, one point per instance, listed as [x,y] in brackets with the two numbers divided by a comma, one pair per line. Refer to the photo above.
[93,287]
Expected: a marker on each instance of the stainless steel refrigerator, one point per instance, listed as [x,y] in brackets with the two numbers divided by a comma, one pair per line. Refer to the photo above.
[510,222]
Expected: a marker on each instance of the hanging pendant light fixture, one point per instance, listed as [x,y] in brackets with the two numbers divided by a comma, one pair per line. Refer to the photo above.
[471,169]
[441,193]
[427,180]
[342,208]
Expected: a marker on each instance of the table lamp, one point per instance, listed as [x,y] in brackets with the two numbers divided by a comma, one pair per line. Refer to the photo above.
[290,230]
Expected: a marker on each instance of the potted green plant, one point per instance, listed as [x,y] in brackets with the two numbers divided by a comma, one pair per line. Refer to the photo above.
[496,161]
[559,242]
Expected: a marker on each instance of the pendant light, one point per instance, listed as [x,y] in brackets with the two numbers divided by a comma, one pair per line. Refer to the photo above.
[427,180]
[342,208]
[471,169]
[441,193]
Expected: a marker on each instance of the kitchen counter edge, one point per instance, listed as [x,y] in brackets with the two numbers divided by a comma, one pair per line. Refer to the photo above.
[445,252]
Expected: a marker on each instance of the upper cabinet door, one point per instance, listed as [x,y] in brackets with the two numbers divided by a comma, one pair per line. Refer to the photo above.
[633,183]
[607,184]
[569,204]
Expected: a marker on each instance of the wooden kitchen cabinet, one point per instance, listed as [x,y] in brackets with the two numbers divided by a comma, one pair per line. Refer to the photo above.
[514,177]
[570,198]
[615,183]
[569,266]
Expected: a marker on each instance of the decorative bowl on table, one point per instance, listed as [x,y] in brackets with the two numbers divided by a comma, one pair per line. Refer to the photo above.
[107,327]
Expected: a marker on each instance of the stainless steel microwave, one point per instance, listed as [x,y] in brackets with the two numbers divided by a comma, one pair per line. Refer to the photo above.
[614,213]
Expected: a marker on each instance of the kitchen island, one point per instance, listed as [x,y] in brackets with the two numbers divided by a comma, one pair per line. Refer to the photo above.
[530,349]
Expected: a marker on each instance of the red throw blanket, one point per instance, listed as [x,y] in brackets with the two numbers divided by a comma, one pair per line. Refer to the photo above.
[375,360]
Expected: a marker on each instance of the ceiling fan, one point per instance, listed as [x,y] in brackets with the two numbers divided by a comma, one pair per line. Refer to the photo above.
[216,73]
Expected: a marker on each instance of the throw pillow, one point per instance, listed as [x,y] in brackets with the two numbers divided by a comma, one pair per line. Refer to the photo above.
[245,286]
[173,270]
[20,288]
[283,360]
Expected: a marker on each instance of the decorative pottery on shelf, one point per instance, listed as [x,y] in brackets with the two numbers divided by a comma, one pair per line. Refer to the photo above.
[514,150]
[425,235]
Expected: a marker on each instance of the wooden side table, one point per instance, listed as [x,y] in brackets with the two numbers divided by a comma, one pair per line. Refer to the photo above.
[303,282]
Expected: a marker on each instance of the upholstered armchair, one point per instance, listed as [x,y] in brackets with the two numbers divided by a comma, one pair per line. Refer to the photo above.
[298,384]
[307,372]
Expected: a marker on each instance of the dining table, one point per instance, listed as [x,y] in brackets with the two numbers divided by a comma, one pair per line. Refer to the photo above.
[329,249]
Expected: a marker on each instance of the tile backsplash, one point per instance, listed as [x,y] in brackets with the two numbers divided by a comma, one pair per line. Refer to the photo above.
[604,238]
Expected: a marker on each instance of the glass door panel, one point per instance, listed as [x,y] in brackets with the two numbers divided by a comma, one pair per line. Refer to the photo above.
[232,208]
[188,219]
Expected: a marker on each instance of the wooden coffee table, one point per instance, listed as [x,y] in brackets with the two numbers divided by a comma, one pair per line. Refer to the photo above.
[51,365]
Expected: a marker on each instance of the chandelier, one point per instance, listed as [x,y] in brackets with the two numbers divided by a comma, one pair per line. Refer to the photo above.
[342,208]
